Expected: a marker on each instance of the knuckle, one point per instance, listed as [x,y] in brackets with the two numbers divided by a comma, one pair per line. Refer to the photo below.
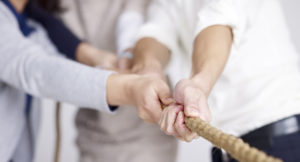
[188,139]
[177,125]
[146,104]
[143,115]
[169,131]
[162,128]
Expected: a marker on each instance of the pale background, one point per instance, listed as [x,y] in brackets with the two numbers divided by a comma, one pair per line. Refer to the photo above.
[197,151]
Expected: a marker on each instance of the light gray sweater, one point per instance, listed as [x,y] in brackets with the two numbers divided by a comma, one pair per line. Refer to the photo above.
[32,65]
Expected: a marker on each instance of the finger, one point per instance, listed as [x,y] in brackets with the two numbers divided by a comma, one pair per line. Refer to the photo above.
[182,130]
[197,106]
[164,94]
[153,107]
[179,91]
[162,121]
[172,113]
[192,97]
[144,116]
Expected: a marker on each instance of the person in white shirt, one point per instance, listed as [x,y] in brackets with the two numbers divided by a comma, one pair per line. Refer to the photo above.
[245,70]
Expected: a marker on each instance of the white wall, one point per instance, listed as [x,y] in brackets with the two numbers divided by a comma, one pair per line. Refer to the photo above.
[197,151]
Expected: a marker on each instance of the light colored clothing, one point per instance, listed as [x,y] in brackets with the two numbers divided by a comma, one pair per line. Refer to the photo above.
[261,81]
[128,24]
[32,65]
[122,137]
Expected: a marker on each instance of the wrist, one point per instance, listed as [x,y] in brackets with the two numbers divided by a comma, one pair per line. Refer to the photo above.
[120,89]
[147,65]
[202,82]
[83,54]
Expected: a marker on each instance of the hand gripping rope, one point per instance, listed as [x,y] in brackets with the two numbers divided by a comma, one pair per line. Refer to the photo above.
[235,146]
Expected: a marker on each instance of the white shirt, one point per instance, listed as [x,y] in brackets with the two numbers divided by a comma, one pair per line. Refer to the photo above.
[261,81]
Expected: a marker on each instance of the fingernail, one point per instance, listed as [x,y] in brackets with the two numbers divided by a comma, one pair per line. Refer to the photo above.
[170,100]
[194,112]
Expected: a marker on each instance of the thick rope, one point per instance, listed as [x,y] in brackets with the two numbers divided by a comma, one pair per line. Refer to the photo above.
[58,132]
[236,147]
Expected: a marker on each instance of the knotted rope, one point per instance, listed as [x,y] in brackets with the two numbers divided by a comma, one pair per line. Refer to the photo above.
[236,147]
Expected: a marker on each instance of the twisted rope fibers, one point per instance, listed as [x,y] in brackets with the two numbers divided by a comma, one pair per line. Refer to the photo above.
[236,147]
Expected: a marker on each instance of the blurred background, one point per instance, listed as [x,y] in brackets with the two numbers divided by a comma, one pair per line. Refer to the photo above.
[196,151]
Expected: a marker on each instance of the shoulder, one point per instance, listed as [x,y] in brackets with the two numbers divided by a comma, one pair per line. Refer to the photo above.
[6,17]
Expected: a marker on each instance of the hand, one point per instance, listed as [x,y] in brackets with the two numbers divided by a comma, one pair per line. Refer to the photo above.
[189,93]
[172,123]
[125,60]
[147,94]
[191,101]
[105,60]
[92,56]
[124,64]
[149,68]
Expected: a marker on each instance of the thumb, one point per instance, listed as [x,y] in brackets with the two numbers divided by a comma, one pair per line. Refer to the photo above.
[164,94]
[196,106]
[191,104]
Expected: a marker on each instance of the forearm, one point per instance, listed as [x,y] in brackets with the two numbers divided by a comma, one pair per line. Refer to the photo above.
[84,54]
[118,88]
[62,37]
[150,52]
[211,51]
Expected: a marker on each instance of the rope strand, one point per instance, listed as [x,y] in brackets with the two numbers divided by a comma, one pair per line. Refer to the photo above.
[236,147]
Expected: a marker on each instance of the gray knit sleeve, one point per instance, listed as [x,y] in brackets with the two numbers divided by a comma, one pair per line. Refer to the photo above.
[27,67]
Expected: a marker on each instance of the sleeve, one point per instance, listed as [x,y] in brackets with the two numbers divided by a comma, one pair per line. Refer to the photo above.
[232,13]
[25,66]
[129,22]
[159,24]
[139,6]
[65,41]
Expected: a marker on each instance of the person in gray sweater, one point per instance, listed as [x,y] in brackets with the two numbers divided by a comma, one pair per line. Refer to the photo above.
[30,64]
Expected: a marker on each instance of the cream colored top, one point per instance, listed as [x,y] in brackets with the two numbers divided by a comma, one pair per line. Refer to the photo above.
[96,20]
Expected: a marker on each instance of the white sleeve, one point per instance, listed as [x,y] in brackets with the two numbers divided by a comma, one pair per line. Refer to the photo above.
[129,23]
[159,24]
[127,26]
[232,13]
[27,67]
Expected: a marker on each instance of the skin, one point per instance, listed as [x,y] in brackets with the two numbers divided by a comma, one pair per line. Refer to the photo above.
[210,54]
[146,93]
[150,58]
[85,53]
[89,55]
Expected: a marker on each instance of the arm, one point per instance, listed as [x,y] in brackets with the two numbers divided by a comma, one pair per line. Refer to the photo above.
[65,41]
[211,51]
[150,56]
[145,93]
[68,43]
[221,24]
[25,66]
[129,22]
[156,39]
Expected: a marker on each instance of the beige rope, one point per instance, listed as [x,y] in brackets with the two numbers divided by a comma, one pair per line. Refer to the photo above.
[236,147]
[58,132]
